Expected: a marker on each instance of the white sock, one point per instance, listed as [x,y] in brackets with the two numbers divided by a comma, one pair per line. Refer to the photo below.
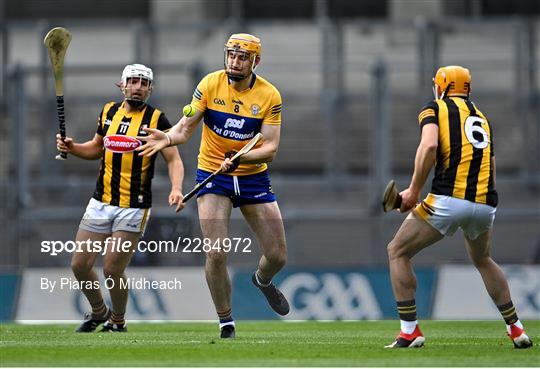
[408,327]
[259,281]
[517,324]
[221,325]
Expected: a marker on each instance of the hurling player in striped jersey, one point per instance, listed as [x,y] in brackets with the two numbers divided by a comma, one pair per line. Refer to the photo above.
[457,141]
[120,205]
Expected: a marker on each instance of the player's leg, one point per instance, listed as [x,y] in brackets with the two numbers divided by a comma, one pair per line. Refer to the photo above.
[82,265]
[214,215]
[496,285]
[128,225]
[266,222]
[115,262]
[413,235]
[492,275]
[96,226]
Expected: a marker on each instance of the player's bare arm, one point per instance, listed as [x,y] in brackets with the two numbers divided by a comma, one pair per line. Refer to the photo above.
[89,150]
[177,135]
[176,175]
[423,162]
[268,150]
[185,127]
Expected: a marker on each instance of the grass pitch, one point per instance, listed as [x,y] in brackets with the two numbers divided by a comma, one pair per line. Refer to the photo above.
[465,344]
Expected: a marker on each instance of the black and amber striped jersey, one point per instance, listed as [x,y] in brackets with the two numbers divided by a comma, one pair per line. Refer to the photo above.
[464,167]
[125,178]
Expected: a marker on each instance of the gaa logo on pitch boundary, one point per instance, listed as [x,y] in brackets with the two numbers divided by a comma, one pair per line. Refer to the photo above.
[330,296]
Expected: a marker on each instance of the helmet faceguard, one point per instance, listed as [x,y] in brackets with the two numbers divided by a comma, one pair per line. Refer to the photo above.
[247,47]
[452,80]
[145,77]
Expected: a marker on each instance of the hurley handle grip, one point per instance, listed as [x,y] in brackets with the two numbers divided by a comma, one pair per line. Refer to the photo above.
[61,123]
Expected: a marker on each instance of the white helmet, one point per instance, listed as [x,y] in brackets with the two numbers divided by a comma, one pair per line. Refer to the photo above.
[137,71]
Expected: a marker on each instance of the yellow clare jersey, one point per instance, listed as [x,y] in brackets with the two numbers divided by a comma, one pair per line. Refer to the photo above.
[125,178]
[232,118]
[465,149]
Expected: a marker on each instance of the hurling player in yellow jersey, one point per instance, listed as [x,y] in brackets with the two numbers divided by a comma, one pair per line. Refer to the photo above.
[456,139]
[236,104]
[120,206]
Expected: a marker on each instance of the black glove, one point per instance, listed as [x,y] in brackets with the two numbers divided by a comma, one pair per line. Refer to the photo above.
[235,163]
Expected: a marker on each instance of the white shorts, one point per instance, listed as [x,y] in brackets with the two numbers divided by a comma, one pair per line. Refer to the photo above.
[103,218]
[446,214]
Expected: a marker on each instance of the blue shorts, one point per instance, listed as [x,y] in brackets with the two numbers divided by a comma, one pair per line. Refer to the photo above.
[242,190]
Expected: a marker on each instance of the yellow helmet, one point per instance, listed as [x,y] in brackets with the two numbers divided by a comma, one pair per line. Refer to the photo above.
[244,42]
[246,45]
[452,80]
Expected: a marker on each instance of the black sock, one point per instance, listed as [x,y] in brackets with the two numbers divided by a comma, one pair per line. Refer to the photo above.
[117,319]
[225,316]
[99,309]
[407,310]
[508,312]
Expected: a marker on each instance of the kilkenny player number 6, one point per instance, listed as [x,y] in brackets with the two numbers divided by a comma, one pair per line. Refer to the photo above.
[473,125]
[57,41]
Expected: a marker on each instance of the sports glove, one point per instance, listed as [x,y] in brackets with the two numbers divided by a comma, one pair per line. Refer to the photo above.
[235,162]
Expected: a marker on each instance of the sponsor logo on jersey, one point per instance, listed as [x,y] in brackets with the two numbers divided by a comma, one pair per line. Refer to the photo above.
[237,102]
[120,144]
[234,123]
[219,101]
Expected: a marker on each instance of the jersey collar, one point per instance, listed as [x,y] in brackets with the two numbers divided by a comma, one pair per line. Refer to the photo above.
[135,111]
[253,79]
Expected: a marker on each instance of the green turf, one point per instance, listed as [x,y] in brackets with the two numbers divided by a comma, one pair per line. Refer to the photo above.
[266,344]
